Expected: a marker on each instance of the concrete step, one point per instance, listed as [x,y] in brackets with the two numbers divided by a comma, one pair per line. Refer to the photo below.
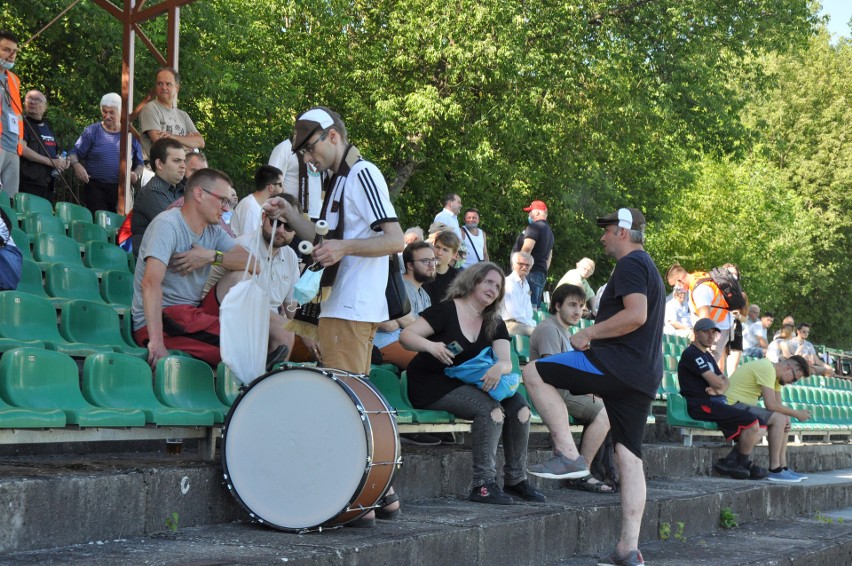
[779,526]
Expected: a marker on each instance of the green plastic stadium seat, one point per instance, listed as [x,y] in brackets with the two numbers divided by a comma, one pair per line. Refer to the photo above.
[27,317]
[42,223]
[16,417]
[227,384]
[522,347]
[11,213]
[118,381]
[389,367]
[7,344]
[53,248]
[535,418]
[388,385]
[41,379]
[676,414]
[103,256]
[670,363]
[95,323]
[187,383]
[117,287]
[422,415]
[6,199]
[84,232]
[69,282]
[69,212]
[127,329]
[109,221]
[31,279]
[24,242]
[26,202]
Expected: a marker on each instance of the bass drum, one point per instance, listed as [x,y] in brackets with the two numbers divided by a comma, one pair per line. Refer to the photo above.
[305,449]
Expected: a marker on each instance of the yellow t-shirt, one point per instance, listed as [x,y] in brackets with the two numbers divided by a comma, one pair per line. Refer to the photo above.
[749,379]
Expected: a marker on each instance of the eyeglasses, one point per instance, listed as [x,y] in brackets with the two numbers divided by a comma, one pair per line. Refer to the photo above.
[427,261]
[34,101]
[309,148]
[527,265]
[225,202]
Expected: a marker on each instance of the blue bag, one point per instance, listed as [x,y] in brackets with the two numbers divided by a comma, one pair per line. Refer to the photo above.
[472,371]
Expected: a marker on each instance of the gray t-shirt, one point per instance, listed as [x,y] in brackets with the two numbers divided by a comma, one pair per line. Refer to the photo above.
[548,339]
[167,235]
[155,116]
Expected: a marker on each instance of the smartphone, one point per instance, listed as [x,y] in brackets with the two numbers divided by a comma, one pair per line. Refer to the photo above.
[454,347]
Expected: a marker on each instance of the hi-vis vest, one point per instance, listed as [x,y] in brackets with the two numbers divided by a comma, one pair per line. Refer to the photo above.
[14,84]
[718,306]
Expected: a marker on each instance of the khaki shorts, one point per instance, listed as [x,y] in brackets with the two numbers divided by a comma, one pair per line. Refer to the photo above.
[583,408]
[346,344]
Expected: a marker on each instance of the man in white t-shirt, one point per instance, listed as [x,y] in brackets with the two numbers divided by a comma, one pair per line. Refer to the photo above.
[517,310]
[755,337]
[268,183]
[677,318]
[473,237]
[449,215]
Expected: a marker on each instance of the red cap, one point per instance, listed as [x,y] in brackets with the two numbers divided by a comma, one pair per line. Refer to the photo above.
[536,205]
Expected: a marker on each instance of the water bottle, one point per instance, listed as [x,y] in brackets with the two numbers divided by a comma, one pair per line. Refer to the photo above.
[63,157]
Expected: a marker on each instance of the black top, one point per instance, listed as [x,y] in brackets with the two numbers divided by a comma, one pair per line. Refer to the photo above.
[542,234]
[37,174]
[426,380]
[635,358]
[437,289]
[693,362]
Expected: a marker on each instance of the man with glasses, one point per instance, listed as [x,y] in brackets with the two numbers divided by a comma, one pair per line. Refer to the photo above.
[175,258]
[763,378]
[39,160]
[168,159]
[11,115]
[801,346]
[517,309]
[268,183]
[419,260]
[703,385]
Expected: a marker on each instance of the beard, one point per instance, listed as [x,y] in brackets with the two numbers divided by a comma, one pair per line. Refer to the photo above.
[424,277]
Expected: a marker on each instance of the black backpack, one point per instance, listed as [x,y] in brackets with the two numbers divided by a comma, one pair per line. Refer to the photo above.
[728,285]
[9,225]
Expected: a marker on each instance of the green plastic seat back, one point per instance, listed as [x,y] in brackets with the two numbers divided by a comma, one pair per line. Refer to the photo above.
[24,242]
[676,414]
[227,384]
[15,417]
[670,363]
[117,287]
[388,385]
[522,347]
[69,212]
[109,221]
[26,202]
[187,383]
[104,256]
[90,323]
[6,199]
[54,248]
[27,317]
[423,415]
[84,232]
[10,212]
[43,223]
[72,282]
[31,279]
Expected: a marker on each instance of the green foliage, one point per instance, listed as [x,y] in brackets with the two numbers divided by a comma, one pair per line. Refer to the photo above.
[665,531]
[728,519]
[172,522]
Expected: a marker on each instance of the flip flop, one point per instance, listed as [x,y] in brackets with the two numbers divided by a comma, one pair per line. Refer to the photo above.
[585,484]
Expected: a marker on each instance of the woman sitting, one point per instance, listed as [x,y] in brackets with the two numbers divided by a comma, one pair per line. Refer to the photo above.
[450,333]
[779,348]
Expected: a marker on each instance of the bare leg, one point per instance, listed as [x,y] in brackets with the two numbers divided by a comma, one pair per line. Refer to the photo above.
[551,407]
[749,439]
[594,435]
[633,494]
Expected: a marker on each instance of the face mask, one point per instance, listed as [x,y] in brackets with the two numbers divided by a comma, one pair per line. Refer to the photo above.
[529,220]
[7,64]
[472,225]
[226,216]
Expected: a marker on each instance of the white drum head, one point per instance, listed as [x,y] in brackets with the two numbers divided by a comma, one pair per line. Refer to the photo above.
[295,449]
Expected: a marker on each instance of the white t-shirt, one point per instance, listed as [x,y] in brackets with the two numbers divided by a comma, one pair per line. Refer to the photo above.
[451,220]
[750,336]
[284,158]
[517,302]
[247,216]
[358,292]
[703,297]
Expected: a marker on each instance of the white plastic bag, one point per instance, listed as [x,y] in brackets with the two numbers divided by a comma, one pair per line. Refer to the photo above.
[244,320]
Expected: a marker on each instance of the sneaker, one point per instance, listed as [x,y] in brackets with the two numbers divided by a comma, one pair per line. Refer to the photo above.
[490,493]
[276,356]
[525,491]
[633,558]
[783,476]
[756,472]
[795,474]
[419,439]
[561,468]
[732,469]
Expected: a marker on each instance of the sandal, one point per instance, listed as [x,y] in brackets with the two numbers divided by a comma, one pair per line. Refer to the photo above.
[383,513]
[591,484]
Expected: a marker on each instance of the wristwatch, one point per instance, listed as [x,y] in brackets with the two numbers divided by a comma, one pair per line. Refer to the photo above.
[217,260]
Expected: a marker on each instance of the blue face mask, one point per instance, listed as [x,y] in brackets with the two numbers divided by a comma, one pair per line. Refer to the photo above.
[226,216]
[472,225]
[529,220]
[7,64]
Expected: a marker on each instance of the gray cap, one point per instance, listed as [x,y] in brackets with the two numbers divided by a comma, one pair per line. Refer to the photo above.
[705,324]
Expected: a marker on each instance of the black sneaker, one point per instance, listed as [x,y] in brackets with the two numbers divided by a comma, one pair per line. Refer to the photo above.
[490,493]
[733,469]
[756,472]
[525,491]
[419,439]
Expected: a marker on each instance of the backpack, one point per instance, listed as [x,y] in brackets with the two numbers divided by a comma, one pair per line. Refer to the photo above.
[728,285]
[8,222]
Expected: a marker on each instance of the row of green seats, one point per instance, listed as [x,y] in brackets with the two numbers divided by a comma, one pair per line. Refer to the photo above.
[61,283]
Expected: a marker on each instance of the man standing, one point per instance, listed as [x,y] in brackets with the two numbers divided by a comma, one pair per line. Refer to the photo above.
[619,359]
[762,378]
[516,309]
[473,238]
[11,115]
[300,180]
[553,336]
[268,182]
[160,118]
[755,337]
[175,258]
[419,261]
[537,240]
[195,160]
[39,161]
[449,215]
[579,276]
[168,159]
[703,385]
[446,244]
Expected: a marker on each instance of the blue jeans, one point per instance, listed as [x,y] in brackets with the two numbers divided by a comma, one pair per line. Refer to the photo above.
[469,402]
[537,281]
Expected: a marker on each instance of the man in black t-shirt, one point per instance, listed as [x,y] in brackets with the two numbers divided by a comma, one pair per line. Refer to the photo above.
[537,240]
[618,359]
[39,159]
[703,386]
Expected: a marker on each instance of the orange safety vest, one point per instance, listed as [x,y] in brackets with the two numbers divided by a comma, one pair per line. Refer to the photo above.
[14,85]
[718,306]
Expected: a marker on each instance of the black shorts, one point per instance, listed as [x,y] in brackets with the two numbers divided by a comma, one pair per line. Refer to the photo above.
[626,408]
[730,419]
